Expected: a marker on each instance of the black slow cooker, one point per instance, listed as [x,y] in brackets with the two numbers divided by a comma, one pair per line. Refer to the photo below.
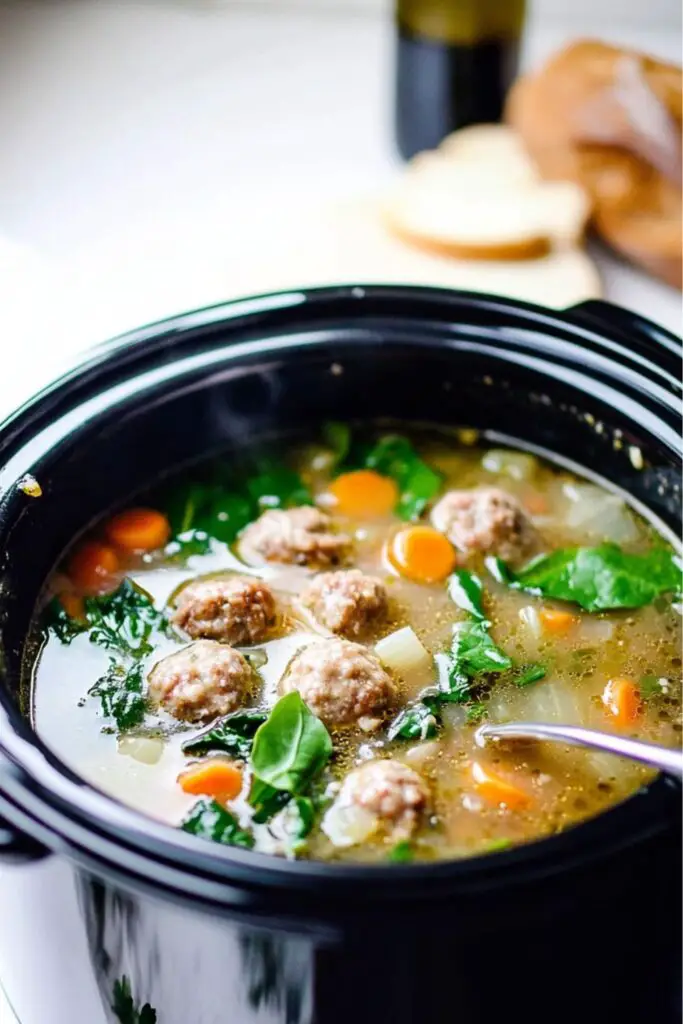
[583,926]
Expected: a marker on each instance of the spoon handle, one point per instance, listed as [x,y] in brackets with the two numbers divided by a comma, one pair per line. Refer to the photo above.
[666,760]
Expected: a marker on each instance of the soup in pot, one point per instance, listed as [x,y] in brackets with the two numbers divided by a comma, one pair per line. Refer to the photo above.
[293,653]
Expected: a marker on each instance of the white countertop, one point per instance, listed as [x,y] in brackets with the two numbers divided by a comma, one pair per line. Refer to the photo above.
[126,126]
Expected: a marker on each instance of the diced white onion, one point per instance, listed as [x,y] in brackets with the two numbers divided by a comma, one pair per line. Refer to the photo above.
[600,513]
[145,749]
[403,652]
[553,702]
[531,620]
[422,753]
[349,824]
[516,465]
[596,631]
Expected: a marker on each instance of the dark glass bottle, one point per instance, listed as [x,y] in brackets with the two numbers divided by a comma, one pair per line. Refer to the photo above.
[454,64]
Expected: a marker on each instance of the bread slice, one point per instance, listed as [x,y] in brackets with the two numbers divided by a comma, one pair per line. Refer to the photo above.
[479,197]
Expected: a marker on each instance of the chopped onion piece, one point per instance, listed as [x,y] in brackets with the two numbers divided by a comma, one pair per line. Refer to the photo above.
[531,620]
[402,651]
[422,753]
[554,702]
[349,824]
[516,465]
[596,631]
[145,749]
[599,512]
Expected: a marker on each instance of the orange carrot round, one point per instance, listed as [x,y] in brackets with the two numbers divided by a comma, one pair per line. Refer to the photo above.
[556,622]
[138,529]
[621,698]
[92,566]
[214,777]
[495,790]
[422,554]
[363,493]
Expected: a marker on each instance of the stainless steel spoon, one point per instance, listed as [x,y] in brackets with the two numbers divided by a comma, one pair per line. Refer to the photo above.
[666,760]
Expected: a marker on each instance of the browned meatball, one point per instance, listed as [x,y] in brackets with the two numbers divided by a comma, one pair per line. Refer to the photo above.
[388,789]
[342,682]
[346,601]
[487,519]
[236,609]
[302,536]
[201,682]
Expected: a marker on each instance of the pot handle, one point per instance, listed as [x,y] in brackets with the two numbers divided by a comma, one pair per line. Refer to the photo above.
[597,313]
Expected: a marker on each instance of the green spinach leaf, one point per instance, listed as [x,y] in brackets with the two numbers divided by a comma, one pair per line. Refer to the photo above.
[402,852]
[338,437]
[299,818]
[124,1008]
[474,652]
[466,590]
[234,735]
[525,675]
[208,820]
[475,712]
[416,722]
[601,578]
[57,620]
[191,542]
[266,800]
[121,694]
[123,620]
[395,457]
[291,746]
[275,485]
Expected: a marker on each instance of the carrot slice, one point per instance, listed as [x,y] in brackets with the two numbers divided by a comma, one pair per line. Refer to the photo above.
[555,621]
[363,493]
[92,566]
[214,777]
[621,698]
[422,554]
[138,529]
[495,790]
[72,604]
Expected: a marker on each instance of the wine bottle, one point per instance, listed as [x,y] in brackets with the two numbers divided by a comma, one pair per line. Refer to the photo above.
[455,61]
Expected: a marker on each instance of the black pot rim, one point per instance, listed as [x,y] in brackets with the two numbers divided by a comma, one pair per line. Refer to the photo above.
[51,803]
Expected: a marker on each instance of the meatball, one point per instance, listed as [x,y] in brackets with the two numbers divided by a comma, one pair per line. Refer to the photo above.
[342,682]
[487,520]
[201,682]
[346,601]
[302,536]
[236,609]
[389,791]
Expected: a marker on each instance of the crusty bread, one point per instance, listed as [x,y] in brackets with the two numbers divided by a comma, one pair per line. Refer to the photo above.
[610,120]
[479,197]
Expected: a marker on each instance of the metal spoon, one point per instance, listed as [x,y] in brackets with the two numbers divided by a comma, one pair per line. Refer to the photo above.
[669,761]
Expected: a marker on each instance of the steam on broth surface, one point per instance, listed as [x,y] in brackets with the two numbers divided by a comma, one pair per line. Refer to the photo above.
[293,655]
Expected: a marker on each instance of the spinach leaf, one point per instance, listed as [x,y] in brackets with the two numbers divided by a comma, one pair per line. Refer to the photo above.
[475,712]
[123,1005]
[402,852]
[266,800]
[466,590]
[338,437]
[454,685]
[650,686]
[234,734]
[208,820]
[395,457]
[601,578]
[525,675]
[123,620]
[291,746]
[57,620]
[299,818]
[473,651]
[121,694]
[416,722]
[499,570]
[276,486]
[188,543]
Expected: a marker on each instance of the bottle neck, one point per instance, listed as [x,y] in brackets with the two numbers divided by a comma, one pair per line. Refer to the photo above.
[462,22]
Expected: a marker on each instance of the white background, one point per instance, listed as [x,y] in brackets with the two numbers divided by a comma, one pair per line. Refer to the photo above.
[125,124]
